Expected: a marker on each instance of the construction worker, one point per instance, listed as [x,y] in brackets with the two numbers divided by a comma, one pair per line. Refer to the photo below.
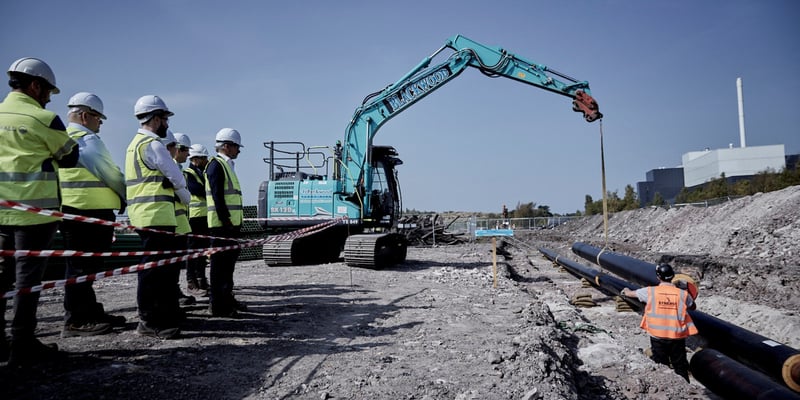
[666,319]
[94,188]
[153,180]
[33,144]
[196,280]
[180,153]
[224,197]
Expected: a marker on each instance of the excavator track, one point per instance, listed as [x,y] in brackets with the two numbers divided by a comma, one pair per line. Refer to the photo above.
[319,248]
[375,250]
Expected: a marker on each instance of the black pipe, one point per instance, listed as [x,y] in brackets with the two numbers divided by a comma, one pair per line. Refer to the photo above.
[731,380]
[628,268]
[775,359]
[607,282]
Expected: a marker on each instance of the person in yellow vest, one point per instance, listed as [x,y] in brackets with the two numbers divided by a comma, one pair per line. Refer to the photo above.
[93,188]
[666,318]
[152,181]
[179,151]
[224,198]
[196,280]
[33,145]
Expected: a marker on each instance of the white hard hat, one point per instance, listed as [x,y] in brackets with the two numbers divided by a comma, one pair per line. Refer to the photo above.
[35,67]
[87,99]
[149,104]
[229,135]
[168,139]
[183,140]
[197,150]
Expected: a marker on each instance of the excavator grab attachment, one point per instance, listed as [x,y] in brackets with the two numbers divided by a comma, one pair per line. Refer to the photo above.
[585,103]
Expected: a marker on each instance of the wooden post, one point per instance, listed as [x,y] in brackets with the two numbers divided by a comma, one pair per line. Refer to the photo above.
[494,261]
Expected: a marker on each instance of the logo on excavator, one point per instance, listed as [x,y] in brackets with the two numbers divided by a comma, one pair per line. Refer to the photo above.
[414,90]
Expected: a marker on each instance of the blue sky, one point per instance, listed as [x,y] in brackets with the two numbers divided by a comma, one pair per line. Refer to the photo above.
[663,72]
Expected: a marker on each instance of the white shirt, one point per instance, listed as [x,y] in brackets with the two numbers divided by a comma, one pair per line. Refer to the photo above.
[156,156]
[95,157]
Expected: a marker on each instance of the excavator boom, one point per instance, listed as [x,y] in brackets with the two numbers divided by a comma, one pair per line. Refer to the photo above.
[364,189]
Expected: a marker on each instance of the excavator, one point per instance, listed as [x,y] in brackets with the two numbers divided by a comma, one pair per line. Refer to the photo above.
[352,188]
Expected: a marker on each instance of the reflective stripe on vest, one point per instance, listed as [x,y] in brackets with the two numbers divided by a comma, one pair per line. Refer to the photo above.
[232,195]
[149,203]
[181,215]
[197,205]
[665,314]
[28,145]
[83,190]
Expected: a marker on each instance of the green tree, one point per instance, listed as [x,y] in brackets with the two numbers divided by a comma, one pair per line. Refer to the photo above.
[658,200]
[630,201]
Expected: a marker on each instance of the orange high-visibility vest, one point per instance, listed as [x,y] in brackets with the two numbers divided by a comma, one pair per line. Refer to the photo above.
[666,315]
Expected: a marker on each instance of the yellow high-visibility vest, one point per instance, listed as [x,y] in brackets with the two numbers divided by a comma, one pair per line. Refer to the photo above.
[232,196]
[149,202]
[83,190]
[197,205]
[31,137]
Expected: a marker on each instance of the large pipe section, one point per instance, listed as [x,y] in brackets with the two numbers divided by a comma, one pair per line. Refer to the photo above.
[775,359]
[604,281]
[731,380]
[632,270]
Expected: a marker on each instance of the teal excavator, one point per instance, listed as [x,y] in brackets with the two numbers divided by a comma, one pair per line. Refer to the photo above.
[351,189]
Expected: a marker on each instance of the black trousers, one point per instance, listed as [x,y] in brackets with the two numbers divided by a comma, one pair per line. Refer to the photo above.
[671,352]
[80,302]
[156,296]
[196,267]
[222,267]
[23,272]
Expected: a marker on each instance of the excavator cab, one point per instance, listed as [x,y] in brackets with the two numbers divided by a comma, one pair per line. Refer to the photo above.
[384,201]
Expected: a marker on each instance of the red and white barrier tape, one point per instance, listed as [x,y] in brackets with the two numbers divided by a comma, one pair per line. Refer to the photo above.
[195,253]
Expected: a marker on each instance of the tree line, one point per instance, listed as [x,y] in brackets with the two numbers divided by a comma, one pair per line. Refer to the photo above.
[766,181]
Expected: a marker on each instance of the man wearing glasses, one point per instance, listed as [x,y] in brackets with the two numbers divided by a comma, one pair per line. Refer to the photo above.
[93,188]
[153,180]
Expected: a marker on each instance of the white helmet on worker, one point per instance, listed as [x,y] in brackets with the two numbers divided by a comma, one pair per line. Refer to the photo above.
[183,140]
[169,138]
[88,100]
[36,68]
[198,150]
[228,135]
[148,105]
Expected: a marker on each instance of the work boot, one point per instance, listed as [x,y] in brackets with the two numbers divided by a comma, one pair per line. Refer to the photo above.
[116,321]
[193,287]
[28,352]
[85,329]
[146,329]
[185,300]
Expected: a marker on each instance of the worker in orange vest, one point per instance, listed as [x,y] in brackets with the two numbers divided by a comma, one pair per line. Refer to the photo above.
[666,318]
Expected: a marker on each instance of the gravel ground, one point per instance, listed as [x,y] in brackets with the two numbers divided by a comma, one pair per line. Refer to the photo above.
[436,327]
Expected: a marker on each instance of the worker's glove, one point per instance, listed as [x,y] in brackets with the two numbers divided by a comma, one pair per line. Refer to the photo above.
[681,284]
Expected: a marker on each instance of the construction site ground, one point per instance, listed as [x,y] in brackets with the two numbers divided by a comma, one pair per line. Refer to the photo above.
[436,327]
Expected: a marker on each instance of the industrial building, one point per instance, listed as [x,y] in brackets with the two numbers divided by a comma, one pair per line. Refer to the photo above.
[699,167]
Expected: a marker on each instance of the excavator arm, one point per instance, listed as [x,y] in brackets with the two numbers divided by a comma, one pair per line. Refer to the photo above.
[422,80]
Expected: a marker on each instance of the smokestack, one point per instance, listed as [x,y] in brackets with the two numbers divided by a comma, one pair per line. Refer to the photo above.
[741,112]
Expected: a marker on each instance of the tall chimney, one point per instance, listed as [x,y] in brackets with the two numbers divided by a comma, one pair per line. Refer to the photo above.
[741,112]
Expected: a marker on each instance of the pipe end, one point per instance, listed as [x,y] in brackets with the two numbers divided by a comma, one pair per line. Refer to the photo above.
[791,372]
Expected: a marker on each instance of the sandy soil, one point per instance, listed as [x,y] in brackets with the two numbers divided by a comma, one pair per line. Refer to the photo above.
[436,327]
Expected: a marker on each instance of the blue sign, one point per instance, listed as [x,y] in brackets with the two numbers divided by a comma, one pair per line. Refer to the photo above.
[493,232]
